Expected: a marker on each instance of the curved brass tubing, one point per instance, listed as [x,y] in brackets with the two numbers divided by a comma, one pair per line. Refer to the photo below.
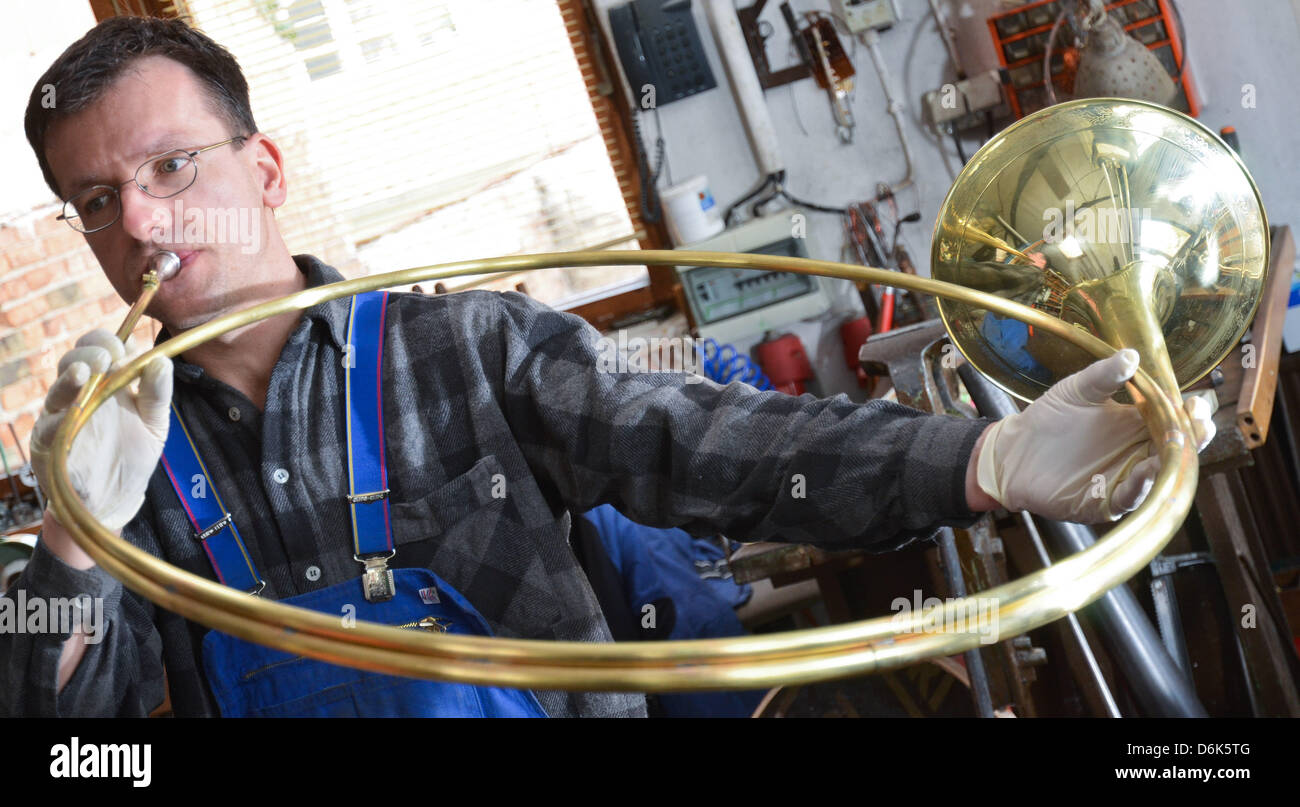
[747,662]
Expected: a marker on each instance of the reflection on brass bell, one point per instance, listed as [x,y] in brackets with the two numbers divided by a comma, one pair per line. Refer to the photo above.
[1124,218]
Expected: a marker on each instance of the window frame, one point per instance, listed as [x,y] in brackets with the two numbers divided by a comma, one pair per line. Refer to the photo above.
[593,52]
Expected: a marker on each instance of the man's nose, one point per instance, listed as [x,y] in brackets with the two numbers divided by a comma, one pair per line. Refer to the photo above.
[144,217]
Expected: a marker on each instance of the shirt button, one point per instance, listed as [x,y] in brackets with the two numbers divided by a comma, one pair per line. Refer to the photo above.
[280,475]
[233,413]
[313,573]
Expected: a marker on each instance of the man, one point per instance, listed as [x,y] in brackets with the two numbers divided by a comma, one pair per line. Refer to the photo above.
[480,391]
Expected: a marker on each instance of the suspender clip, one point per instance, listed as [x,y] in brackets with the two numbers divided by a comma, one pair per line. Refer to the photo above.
[377,579]
[215,528]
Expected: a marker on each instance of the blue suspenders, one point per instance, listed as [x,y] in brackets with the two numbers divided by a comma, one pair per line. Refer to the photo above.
[250,680]
[213,526]
[372,529]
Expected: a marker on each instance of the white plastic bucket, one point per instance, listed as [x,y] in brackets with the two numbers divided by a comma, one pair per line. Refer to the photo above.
[691,212]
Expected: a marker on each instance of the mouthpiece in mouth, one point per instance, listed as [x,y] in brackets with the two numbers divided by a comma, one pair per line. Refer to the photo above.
[165,263]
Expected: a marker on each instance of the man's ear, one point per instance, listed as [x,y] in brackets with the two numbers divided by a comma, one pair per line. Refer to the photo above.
[269,165]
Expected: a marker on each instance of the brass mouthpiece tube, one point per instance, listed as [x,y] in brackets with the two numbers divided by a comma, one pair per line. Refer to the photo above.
[151,283]
[162,266]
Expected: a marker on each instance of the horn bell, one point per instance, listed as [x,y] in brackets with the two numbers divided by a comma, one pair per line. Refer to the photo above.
[1124,218]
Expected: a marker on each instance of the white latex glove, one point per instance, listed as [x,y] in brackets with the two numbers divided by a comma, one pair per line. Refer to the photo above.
[1076,455]
[115,454]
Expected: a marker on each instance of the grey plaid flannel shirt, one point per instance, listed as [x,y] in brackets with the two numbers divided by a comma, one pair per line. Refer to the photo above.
[478,384]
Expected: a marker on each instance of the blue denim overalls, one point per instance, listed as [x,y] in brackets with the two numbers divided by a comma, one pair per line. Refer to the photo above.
[250,680]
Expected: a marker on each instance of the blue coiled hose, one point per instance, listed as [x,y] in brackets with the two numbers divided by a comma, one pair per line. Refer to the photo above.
[724,364]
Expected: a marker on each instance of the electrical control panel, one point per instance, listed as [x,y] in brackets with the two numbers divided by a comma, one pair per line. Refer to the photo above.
[719,292]
[733,305]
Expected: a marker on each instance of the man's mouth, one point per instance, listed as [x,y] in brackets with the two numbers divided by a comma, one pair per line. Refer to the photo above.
[187,256]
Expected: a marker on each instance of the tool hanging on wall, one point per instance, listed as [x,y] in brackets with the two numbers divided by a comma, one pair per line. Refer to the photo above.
[740,47]
[819,47]
[866,233]
[929,308]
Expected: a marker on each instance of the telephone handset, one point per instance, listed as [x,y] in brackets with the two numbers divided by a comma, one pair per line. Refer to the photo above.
[627,40]
[659,47]
[663,60]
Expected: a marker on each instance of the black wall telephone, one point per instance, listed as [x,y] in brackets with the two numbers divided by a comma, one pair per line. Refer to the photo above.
[659,45]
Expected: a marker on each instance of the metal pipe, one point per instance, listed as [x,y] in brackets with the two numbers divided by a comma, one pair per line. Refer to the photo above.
[872,40]
[735,57]
[1160,686]
[1129,636]
[948,41]
[979,677]
[993,402]
[1089,657]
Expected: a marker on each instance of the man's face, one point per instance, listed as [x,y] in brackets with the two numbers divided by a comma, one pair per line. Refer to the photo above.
[221,233]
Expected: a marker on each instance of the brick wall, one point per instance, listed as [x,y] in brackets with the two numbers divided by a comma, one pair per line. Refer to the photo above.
[51,291]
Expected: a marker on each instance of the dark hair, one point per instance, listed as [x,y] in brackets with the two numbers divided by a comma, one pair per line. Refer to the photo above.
[91,64]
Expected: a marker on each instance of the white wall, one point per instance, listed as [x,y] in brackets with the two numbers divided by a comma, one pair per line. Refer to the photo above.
[1230,45]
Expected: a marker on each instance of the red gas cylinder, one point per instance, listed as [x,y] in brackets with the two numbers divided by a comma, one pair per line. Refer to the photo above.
[785,363]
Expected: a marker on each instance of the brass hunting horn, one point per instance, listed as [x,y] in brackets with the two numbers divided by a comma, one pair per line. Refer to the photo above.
[1042,291]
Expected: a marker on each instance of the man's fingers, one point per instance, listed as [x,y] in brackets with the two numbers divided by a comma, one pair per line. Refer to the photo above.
[1097,382]
[65,388]
[1134,488]
[97,358]
[98,349]
[155,395]
[102,338]
[43,433]
[1201,414]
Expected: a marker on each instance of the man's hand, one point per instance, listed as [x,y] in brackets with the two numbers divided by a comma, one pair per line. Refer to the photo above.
[115,454]
[1074,454]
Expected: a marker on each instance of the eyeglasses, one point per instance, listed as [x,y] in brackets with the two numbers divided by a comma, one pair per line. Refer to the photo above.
[161,176]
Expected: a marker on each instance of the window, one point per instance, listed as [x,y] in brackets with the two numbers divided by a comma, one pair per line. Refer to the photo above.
[376,48]
[303,23]
[422,133]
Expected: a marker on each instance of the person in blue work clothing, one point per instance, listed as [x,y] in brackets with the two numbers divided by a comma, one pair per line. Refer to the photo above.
[416,460]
